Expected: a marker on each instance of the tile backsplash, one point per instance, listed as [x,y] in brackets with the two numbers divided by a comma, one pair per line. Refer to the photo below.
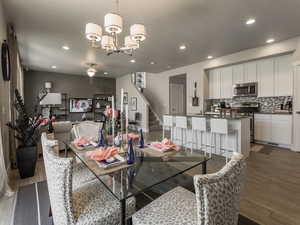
[267,104]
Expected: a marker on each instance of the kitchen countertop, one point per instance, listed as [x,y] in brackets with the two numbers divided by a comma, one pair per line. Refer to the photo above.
[276,113]
[213,116]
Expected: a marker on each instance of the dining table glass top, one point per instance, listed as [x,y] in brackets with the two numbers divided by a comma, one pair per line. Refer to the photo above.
[150,168]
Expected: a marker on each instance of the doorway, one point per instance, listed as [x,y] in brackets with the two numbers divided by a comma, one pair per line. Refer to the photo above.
[177,95]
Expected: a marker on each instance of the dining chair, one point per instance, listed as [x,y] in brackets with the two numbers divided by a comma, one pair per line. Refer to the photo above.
[216,201]
[87,129]
[90,203]
[81,174]
[221,128]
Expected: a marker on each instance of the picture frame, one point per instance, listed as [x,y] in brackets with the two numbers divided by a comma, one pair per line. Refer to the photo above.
[125,98]
[133,103]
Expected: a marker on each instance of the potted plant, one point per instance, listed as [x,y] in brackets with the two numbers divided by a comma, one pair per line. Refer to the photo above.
[26,132]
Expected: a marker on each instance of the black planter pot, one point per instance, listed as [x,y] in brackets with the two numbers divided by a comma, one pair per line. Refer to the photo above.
[26,159]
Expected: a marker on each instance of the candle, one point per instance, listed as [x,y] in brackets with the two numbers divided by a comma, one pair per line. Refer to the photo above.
[122,99]
[127,121]
[113,118]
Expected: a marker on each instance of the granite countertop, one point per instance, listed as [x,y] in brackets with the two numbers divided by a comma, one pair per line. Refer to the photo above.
[212,116]
[277,113]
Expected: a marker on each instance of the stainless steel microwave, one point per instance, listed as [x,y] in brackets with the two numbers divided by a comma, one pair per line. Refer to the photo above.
[245,90]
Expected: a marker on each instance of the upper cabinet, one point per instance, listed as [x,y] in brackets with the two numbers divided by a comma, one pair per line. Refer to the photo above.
[250,72]
[283,76]
[238,74]
[226,82]
[265,75]
[214,84]
[274,76]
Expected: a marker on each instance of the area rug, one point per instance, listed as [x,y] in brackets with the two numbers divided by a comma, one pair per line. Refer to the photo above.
[33,205]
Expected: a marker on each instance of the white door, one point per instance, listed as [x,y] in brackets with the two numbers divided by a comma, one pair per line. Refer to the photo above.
[283,76]
[238,74]
[177,99]
[226,82]
[250,72]
[265,69]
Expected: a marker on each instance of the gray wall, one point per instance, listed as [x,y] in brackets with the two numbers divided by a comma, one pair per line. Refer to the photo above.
[75,86]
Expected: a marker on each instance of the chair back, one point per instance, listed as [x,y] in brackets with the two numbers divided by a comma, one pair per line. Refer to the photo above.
[87,129]
[167,121]
[218,194]
[219,126]
[181,122]
[59,180]
[62,132]
[199,123]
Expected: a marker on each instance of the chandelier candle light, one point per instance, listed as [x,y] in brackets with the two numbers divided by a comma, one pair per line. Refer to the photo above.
[113,25]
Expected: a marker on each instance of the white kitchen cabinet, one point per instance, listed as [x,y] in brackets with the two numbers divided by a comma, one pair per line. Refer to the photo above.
[265,75]
[226,82]
[263,127]
[282,129]
[214,84]
[238,74]
[273,128]
[250,72]
[283,76]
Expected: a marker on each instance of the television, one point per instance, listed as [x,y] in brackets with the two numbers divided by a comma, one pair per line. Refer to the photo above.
[81,105]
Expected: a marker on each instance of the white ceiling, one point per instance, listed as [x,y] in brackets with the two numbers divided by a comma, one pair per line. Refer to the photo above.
[207,27]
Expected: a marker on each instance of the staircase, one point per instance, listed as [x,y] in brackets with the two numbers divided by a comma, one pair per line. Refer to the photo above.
[154,124]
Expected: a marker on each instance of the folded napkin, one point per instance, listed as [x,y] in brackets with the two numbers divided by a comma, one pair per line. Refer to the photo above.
[165,144]
[83,141]
[102,153]
[133,136]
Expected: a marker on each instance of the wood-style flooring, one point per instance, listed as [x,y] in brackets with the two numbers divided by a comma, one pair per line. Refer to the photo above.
[271,194]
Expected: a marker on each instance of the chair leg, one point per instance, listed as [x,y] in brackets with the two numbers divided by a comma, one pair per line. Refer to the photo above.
[50,212]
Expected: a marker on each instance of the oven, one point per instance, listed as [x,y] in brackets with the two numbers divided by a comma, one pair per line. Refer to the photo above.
[245,90]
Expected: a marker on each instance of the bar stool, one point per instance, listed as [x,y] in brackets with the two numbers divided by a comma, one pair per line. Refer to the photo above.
[181,125]
[168,124]
[199,125]
[220,127]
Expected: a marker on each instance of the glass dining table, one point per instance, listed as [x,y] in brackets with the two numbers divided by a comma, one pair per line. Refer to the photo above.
[150,168]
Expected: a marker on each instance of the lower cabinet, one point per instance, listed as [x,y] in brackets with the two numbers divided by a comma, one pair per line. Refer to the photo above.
[273,128]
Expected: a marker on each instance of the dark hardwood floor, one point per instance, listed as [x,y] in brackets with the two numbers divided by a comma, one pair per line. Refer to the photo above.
[271,193]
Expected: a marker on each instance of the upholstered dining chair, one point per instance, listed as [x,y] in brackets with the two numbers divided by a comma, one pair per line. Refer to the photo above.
[87,129]
[90,203]
[216,201]
[81,174]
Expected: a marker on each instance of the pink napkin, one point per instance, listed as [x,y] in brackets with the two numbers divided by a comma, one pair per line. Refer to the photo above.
[133,136]
[102,153]
[83,141]
[166,144]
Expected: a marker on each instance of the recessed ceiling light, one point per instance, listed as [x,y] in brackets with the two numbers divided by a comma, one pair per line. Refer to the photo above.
[105,73]
[53,67]
[250,21]
[65,47]
[209,57]
[271,40]
[91,72]
[152,63]
[132,60]
[182,47]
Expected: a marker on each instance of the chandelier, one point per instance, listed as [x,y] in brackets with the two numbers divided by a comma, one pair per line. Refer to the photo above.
[113,25]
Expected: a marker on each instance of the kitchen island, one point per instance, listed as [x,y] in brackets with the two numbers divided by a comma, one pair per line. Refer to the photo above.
[236,141]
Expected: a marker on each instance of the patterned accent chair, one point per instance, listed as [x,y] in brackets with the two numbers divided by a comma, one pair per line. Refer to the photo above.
[87,129]
[216,201]
[90,203]
[81,174]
